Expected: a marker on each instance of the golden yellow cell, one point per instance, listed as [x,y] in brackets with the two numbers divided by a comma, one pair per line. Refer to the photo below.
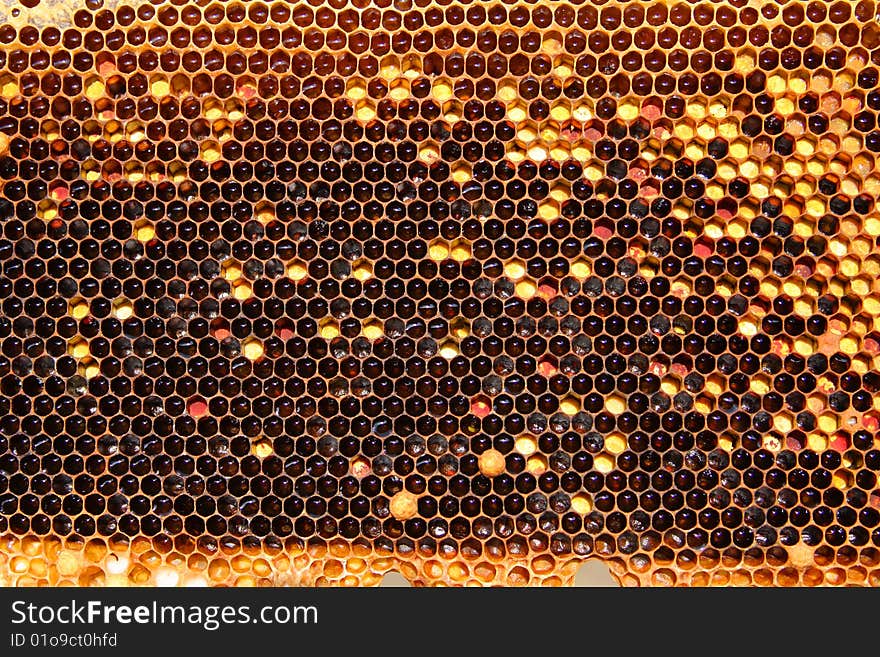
[582,504]
[449,350]
[252,349]
[145,232]
[404,505]
[491,463]
[526,445]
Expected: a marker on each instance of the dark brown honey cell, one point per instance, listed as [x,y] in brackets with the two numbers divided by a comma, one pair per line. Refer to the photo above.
[301,294]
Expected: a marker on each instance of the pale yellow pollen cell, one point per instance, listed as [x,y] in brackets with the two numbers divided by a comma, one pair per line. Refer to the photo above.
[449,350]
[560,113]
[210,151]
[569,406]
[360,468]
[615,443]
[297,271]
[438,251]
[580,269]
[817,442]
[442,90]
[372,331]
[122,309]
[462,174]
[242,291]
[526,445]
[548,211]
[94,89]
[362,271]
[582,504]
[262,449]
[232,271]
[79,309]
[89,368]
[536,464]
[628,110]
[526,289]
[145,232]
[461,251]
[9,87]
[160,88]
[772,443]
[459,328]
[265,216]
[615,405]
[252,349]
[515,270]
[330,330]
[428,153]
[404,505]
[841,480]
[78,348]
[491,463]
[604,463]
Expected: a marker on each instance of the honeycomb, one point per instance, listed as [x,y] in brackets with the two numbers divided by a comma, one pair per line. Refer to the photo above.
[301,293]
